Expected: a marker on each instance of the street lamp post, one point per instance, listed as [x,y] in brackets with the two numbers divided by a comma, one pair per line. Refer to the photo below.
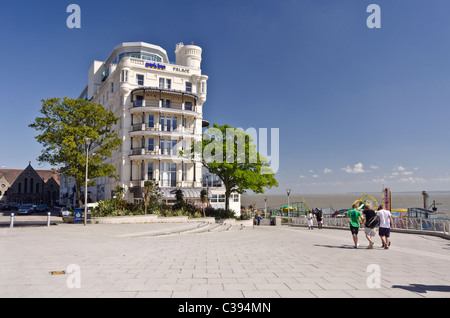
[88,142]
[289,212]
[207,190]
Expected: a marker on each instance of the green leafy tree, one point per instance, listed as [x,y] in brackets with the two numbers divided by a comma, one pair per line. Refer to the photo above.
[229,153]
[203,199]
[152,193]
[63,127]
[179,196]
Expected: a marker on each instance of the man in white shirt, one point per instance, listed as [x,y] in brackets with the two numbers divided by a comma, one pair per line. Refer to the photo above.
[385,222]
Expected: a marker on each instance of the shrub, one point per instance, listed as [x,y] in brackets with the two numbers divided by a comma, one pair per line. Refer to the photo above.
[219,213]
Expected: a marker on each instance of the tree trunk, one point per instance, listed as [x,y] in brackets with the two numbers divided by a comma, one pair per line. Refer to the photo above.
[80,202]
[227,199]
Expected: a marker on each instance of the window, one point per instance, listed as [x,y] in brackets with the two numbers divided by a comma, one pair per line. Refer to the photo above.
[168,123]
[188,105]
[168,147]
[210,180]
[124,76]
[165,104]
[151,144]
[138,102]
[112,88]
[167,82]
[140,55]
[151,121]
[235,197]
[140,79]
[168,174]
[150,171]
[188,87]
[218,198]
[183,167]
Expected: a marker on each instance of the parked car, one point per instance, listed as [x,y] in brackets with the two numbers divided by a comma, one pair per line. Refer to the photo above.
[90,207]
[42,208]
[65,212]
[26,209]
[13,205]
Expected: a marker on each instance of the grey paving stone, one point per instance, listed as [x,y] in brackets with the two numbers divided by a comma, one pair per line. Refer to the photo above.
[262,262]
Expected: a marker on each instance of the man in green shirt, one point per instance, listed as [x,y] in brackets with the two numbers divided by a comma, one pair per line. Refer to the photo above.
[354,218]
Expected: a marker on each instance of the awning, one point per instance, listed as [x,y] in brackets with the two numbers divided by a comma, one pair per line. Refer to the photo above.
[188,193]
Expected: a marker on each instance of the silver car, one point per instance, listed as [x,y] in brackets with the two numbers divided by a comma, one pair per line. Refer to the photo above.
[65,212]
[26,209]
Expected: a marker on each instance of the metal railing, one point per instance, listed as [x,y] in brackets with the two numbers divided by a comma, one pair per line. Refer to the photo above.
[436,225]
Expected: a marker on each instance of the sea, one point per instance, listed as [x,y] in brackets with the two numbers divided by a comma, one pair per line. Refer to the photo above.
[402,200]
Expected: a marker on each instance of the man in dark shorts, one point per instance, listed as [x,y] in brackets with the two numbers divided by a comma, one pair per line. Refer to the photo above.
[354,218]
[319,218]
[385,219]
[370,224]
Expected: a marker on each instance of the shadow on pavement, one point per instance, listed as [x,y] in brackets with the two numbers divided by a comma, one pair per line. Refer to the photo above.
[420,288]
[351,247]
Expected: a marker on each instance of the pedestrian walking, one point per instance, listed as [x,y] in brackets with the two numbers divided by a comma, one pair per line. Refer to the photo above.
[384,230]
[259,219]
[369,225]
[319,218]
[310,220]
[354,220]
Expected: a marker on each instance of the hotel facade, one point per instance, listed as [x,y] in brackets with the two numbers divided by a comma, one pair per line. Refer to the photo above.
[160,109]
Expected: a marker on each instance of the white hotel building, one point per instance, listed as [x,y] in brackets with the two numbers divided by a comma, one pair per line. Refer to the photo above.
[160,109]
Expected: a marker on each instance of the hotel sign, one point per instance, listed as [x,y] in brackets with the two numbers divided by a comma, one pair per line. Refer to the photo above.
[161,67]
[180,69]
[155,66]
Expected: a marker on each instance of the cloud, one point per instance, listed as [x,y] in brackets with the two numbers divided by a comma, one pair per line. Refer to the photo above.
[411,180]
[402,170]
[373,167]
[302,176]
[326,170]
[358,168]
[315,175]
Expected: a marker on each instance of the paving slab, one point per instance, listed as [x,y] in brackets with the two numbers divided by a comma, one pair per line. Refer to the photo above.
[124,260]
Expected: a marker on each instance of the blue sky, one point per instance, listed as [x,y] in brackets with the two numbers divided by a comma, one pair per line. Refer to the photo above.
[357,108]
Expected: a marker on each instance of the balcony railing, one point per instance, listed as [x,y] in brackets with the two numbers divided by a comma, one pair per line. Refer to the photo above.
[157,104]
[178,184]
[157,128]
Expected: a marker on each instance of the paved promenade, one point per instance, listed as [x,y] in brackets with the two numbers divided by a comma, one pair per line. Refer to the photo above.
[184,261]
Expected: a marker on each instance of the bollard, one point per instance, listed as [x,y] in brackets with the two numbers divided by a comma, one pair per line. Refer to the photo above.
[11,225]
[48,219]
